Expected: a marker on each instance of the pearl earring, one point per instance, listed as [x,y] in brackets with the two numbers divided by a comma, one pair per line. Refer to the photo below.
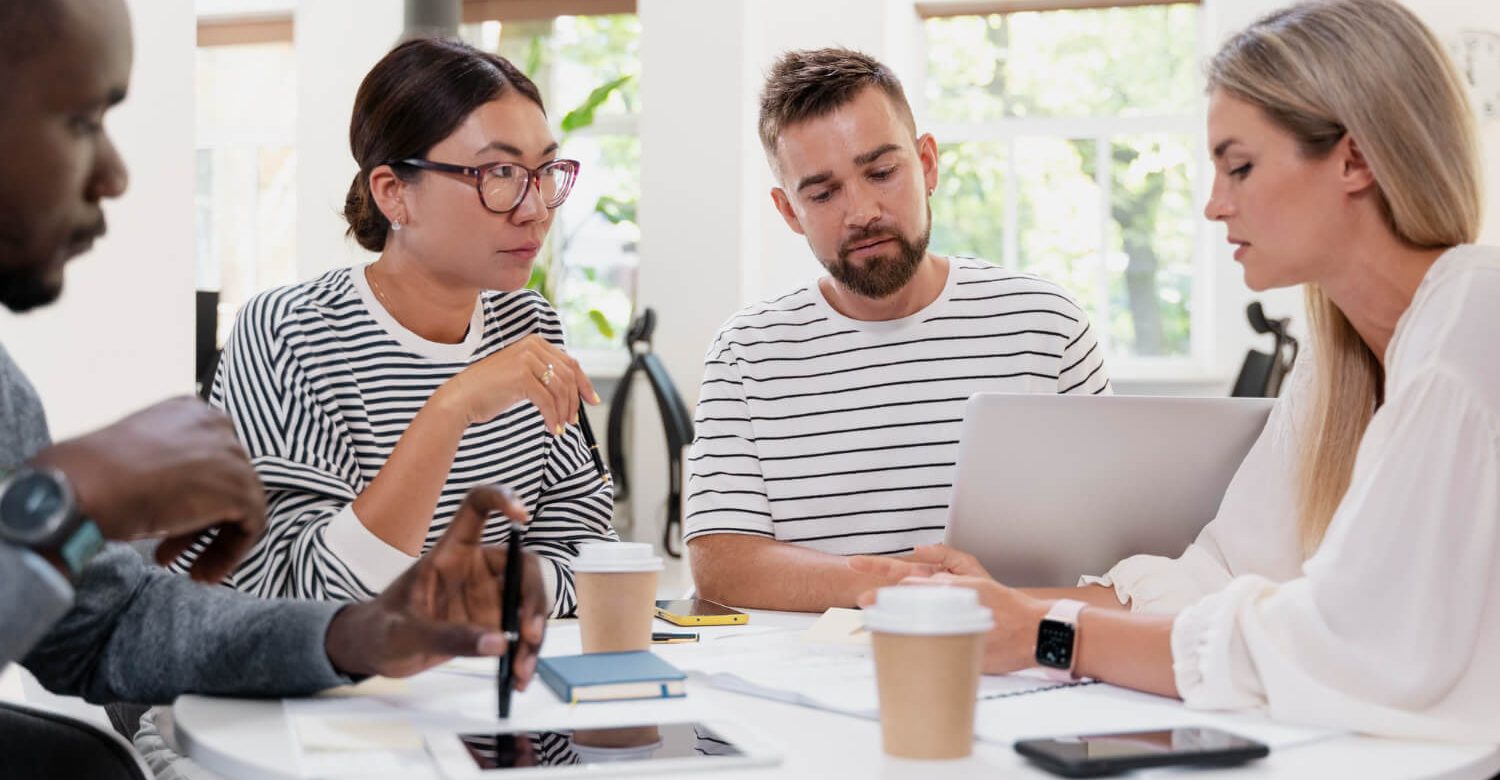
[396,225]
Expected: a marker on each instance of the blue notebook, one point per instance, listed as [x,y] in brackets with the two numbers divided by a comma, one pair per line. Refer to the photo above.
[611,677]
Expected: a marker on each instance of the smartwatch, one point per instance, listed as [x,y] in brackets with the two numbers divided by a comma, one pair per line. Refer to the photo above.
[1057,640]
[38,511]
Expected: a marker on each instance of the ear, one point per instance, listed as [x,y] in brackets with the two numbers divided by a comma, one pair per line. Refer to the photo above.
[389,192]
[784,205]
[1356,176]
[927,152]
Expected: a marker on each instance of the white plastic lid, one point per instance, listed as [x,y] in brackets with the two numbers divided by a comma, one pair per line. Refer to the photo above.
[602,557]
[928,610]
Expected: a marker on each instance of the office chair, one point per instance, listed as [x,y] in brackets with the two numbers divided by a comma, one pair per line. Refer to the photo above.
[40,744]
[1261,374]
[675,419]
[205,340]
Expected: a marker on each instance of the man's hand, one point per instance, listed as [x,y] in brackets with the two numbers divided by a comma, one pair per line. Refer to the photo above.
[926,560]
[447,604]
[169,471]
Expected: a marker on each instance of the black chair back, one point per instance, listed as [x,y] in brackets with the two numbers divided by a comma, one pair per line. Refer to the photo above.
[206,340]
[677,425]
[1261,374]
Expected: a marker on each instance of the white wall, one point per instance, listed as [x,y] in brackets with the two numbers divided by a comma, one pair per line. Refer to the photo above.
[121,337]
[337,42]
[1447,18]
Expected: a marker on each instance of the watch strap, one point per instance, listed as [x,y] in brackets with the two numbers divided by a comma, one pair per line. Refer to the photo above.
[1065,611]
[81,546]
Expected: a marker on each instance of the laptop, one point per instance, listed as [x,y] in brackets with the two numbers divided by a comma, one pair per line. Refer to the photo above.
[1051,487]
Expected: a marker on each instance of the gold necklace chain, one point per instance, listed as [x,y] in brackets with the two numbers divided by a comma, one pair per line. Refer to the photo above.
[379,293]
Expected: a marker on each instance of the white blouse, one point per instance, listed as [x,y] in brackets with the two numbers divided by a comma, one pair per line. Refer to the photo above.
[1393,626]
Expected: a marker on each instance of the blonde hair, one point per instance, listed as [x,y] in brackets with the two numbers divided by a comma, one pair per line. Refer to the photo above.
[1372,70]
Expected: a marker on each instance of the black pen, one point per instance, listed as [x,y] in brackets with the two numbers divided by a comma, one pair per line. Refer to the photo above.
[588,438]
[510,619]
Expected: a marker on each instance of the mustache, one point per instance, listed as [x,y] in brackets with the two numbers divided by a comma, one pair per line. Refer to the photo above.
[865,235]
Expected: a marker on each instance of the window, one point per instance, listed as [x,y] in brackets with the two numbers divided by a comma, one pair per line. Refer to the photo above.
[246,171]
[1069,143]
[588,267]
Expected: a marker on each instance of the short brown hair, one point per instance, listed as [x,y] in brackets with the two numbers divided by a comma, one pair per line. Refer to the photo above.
[416,96]
[812,83]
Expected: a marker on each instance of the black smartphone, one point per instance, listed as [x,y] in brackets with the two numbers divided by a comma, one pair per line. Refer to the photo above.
[1105,754]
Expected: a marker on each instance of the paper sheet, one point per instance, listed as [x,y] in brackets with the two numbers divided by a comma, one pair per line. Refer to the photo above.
[839,626]
[333,733]
[375,686]
[826,668]
[349,737]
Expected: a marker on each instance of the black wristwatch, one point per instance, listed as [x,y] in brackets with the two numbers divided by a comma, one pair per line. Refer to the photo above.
[39,511]
[1057,640]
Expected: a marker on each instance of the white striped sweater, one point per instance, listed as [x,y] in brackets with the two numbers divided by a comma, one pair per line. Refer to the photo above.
[321,383]
[842,435]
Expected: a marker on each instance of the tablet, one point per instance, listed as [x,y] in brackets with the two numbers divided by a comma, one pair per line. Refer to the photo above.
[639,749]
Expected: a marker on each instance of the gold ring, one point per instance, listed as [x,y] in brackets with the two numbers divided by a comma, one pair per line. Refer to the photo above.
[547,375]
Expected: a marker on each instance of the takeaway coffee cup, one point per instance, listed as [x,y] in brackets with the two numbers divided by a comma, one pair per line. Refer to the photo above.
[929,642]
[616,583]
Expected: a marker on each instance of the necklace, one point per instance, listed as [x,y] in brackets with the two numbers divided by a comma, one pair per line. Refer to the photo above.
[379,293]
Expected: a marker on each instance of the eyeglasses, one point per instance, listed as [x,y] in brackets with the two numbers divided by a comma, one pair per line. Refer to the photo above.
[503,185]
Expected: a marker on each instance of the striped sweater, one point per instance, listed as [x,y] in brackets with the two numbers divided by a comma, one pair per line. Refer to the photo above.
[842,435]
[321,383]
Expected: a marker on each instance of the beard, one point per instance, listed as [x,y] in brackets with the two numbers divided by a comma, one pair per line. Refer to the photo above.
[29,278]
[882,275]
[24,289]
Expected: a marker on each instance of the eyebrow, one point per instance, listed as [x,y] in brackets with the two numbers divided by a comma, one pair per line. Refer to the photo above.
[875,154]
[1223,146]
[817,178]
[863,159]
[512,150]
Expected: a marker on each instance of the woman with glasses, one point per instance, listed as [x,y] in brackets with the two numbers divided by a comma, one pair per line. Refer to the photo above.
[372,398]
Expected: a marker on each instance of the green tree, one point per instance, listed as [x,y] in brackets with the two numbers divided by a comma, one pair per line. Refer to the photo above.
[1087,63]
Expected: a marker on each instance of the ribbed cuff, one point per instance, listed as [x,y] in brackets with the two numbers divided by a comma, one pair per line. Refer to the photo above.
[550,576]
[367,556]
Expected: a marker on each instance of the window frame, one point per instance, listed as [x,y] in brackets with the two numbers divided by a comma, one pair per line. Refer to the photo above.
[233,31]
[1195,367]
[598,362]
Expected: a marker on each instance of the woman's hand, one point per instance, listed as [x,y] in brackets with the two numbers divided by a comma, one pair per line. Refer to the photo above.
[532,369]
[926,560]
[1011,645]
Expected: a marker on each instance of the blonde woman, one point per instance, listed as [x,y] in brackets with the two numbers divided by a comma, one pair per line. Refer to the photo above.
[1352,577]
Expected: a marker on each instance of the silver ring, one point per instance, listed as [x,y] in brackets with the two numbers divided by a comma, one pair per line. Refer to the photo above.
[547,375]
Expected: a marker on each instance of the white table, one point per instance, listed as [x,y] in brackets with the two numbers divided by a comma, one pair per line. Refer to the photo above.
[252,739]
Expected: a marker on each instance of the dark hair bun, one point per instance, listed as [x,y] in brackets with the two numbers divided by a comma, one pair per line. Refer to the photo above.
[367,224]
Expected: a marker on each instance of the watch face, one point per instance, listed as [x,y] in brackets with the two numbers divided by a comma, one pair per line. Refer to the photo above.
[1054,644]
[32,506]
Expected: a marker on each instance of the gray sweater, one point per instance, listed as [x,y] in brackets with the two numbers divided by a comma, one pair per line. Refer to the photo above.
[127,631]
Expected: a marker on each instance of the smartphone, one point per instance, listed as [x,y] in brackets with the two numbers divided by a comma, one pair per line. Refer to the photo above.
[698,612]
[1103,754]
